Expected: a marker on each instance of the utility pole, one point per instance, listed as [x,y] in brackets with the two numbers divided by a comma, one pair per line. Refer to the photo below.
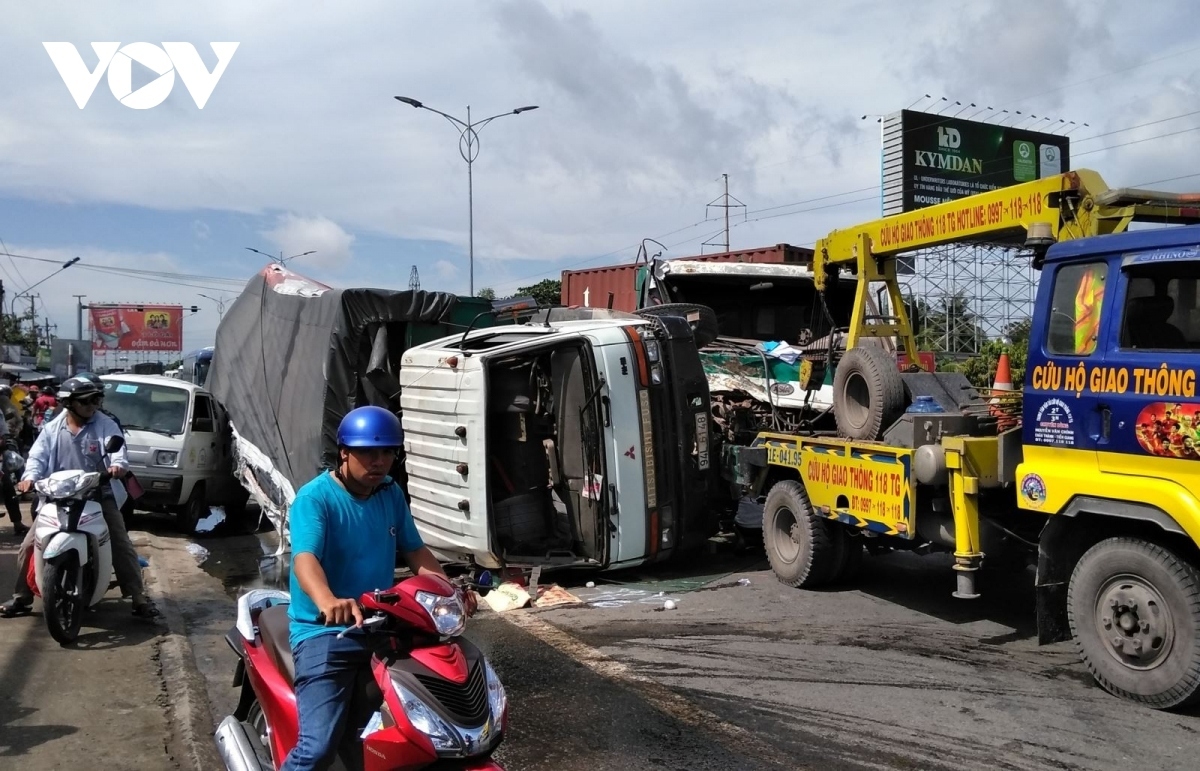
[79,306]
[33,319]
[726,205]
[414,280]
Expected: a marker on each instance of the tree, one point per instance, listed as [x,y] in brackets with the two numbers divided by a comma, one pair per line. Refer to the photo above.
[487,293]
[981,369]
[13,331]
[547,291]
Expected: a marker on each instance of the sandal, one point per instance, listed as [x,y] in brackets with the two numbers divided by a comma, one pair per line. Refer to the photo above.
[146,609]
[14,608]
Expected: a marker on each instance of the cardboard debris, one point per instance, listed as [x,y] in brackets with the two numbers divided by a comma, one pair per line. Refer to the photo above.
[507,596]
[554,595]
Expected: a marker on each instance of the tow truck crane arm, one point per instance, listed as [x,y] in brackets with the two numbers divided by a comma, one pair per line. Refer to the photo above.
[1036,214]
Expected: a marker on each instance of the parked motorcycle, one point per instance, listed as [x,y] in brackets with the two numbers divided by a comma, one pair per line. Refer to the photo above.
[430,695]
[72,557]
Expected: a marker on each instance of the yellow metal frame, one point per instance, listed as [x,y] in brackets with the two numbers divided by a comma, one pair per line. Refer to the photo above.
[1073,205]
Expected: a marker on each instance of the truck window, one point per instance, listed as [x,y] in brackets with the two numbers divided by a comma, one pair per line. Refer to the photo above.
[1160,310]
[203,419]
[1075,309]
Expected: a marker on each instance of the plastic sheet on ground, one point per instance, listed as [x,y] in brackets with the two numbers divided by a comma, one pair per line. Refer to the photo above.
[198,551]
[507,596]
[216,515]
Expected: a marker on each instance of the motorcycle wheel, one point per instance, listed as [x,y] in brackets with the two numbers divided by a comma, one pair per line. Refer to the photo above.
[62,600]
[258,721]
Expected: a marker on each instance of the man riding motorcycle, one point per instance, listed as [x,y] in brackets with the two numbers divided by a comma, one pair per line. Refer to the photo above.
[76,440]
[346,526]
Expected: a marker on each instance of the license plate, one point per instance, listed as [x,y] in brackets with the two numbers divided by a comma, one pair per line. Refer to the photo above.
[702,440]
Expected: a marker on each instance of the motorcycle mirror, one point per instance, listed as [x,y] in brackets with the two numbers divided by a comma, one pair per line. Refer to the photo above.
[114,443]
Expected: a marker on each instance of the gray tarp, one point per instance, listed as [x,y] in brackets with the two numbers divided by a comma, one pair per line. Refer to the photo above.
[290,361]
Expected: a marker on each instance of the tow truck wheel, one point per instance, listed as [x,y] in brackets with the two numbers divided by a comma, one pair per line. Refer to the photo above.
[1134,610]
[868,393]
[798,542]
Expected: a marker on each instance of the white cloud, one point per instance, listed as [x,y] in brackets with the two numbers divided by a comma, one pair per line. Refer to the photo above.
[295,235]
[445,270]
[642,107]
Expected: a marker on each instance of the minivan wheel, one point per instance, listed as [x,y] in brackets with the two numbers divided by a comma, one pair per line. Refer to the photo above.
[193,511]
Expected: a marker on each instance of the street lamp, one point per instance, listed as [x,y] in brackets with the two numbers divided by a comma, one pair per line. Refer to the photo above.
[220,305]
[468,148]
[28,289]
[280,259]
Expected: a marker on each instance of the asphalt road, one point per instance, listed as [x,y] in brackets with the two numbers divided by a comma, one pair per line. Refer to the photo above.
[892,673]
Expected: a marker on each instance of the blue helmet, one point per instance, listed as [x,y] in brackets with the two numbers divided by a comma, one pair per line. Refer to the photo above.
[370,427]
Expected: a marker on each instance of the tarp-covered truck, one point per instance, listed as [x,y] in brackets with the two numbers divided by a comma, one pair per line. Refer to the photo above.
[293,356]
[1094,476]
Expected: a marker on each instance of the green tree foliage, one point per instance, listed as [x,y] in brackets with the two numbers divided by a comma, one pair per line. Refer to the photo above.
[16,330]
[487,293]
[546,292]
[981,369]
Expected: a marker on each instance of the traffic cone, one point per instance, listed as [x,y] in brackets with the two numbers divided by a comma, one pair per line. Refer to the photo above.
[1001,405]
[1003,375]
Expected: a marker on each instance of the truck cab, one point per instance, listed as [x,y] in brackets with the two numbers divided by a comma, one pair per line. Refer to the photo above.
[559,443]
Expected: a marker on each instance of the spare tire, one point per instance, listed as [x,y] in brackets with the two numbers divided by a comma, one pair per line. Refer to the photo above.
[701,318]
[868,393]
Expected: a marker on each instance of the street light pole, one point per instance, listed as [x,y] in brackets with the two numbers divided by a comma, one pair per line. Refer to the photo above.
[79,315]
[468,148]
[280,259]
[220,305]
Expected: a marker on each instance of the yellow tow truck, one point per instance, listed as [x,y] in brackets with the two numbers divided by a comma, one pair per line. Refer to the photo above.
[1091,471]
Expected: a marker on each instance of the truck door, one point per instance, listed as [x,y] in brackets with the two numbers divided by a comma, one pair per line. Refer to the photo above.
[1147,388]
[1062,428]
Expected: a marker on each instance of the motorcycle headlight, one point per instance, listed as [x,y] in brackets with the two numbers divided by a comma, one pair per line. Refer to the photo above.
[70,483]
[425,720]
[447,613]
[497,698]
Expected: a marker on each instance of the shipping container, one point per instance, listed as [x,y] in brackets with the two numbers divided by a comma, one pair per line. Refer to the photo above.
[615,286]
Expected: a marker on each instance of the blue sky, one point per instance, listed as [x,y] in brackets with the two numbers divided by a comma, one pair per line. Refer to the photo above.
[642,107]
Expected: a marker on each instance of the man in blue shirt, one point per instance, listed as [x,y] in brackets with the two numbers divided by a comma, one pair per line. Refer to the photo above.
[346,528]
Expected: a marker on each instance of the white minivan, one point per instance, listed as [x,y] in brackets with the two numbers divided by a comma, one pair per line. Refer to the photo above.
[177,441]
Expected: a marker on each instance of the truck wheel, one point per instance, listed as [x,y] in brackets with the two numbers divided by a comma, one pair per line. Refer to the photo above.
[193,511]
[1134,610]
[704,325]
[798,542]
[868,393]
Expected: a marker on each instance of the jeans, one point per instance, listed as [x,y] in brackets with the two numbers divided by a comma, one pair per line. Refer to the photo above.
[124,556]
[326,672]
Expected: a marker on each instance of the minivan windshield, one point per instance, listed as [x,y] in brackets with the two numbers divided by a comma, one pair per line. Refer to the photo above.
[148,407]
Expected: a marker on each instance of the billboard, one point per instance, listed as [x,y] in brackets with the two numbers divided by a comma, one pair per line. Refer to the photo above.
[136,327]
[930,159]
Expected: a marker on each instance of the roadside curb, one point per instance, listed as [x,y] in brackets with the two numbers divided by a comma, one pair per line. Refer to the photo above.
[186,693]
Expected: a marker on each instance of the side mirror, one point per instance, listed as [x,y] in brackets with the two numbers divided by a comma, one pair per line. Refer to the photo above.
[114,443]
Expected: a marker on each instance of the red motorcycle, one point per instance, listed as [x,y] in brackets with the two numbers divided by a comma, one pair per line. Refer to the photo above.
[430,698]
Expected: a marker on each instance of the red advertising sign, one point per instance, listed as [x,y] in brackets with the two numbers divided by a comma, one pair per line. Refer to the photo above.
[137,327]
